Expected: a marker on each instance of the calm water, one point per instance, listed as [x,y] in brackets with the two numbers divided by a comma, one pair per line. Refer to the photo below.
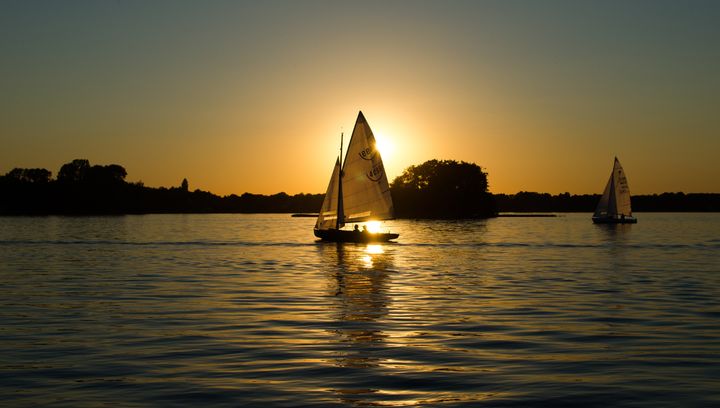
[248,310]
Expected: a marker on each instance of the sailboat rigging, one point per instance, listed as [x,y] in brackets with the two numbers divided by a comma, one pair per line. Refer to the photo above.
[358,191]
[614,205]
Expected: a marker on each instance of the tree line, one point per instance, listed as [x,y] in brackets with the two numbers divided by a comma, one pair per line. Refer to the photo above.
[82,188]
[525,201]
[434,189]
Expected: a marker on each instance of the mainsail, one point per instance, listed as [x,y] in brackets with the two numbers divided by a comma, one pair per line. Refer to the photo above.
[365,189]
[615,201]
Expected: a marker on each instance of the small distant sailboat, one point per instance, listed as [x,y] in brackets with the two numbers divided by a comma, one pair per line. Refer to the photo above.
[358,191]
[614,205]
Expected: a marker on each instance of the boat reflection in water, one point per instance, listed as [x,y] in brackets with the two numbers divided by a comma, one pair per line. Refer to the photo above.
[359,282]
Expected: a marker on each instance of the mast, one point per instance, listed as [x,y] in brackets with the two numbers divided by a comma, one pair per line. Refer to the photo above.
[340,214]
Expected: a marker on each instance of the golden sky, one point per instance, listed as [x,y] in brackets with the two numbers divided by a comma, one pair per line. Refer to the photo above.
[252,96]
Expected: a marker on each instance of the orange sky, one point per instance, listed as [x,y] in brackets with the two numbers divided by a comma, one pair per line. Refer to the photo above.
[252,96]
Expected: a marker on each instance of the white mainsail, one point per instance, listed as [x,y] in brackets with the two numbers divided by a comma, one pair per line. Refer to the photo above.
[622,191]
[365,189]
[328,217]
[615,201]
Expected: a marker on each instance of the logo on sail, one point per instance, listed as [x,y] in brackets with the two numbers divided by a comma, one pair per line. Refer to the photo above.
[367,153]
[376,172]
[623,185]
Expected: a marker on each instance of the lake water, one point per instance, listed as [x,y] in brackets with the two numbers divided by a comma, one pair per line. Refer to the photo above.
[249,310]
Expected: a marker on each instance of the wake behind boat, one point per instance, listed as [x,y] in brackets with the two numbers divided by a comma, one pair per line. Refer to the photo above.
[358,191]
[614,205]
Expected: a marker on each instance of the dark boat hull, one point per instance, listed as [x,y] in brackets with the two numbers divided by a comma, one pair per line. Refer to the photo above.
[334,235]
[613,220]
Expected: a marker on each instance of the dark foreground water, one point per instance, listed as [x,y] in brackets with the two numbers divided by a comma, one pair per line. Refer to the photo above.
[248,310]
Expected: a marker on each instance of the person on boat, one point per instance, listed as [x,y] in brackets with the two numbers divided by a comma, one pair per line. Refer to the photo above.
[365,230]
[356,228]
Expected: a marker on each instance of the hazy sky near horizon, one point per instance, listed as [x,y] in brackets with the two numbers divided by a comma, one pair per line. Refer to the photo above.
[252,96]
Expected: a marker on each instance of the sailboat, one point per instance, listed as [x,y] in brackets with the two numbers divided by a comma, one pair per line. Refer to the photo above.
[358,191]
[614,205]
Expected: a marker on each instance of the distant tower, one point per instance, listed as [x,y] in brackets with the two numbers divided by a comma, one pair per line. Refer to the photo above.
[184,185]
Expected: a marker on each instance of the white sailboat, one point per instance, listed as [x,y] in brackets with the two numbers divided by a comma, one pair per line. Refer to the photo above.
[358,191]
[614,206]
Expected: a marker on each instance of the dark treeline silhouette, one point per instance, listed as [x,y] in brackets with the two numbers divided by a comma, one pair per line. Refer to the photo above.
[442,189]
[84,189]
[666,202]
[434,189]
[525,201]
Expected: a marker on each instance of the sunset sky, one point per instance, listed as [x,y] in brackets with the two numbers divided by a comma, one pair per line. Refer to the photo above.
[252,96]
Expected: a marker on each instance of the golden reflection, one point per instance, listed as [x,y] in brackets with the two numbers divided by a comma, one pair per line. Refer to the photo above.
[359,282]
[367,261]
[402,398]
[372,250]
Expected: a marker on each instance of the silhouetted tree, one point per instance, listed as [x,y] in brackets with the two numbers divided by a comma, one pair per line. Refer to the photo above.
[29,175]
[116,172]
[442,189]
[111,174]
[526,201]
[73,172]
[25,191]
[184,186]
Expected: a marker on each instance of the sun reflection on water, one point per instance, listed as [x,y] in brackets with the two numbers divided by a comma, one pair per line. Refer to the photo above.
[374,249]
[370,251]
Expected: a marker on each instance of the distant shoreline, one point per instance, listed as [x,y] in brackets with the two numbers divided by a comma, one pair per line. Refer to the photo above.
[84,189]
[133,199]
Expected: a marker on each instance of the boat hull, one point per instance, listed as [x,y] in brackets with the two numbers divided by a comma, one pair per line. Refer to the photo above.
[334,235]
[613,220]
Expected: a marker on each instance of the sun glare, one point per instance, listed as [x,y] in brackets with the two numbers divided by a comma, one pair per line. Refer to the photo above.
[373,226]
[384,146]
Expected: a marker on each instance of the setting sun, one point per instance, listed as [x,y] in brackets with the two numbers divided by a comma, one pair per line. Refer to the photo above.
[385,146]
[373,226]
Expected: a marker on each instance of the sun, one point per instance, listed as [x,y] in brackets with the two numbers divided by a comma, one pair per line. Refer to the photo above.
[373,226]
[384,146]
